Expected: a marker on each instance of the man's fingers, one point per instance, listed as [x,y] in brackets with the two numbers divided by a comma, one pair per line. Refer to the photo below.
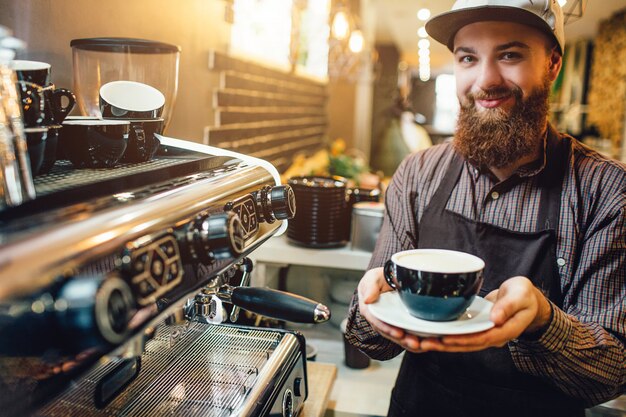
[492,296]
[514,297]
[372,285]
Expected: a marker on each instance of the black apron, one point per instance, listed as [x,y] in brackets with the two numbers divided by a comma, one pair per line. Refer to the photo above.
[487,383]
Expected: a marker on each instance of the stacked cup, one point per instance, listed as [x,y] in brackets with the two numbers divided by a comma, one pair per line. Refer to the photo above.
[141,105]
[44,107]
[125,132]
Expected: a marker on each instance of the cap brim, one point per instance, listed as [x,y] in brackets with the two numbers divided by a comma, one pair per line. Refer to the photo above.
[444,27]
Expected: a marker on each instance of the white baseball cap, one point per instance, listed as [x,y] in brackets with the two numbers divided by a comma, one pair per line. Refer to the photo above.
[545,15]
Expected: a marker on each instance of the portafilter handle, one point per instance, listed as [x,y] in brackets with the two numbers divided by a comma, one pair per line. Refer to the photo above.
[275,304]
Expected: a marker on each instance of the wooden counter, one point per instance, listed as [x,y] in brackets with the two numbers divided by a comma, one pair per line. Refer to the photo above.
[320,377]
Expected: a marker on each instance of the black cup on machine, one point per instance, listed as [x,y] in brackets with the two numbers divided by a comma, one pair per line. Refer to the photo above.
[33,102]
[55,103]
[32,71]
[435,284]
[59,102]
[142,140]
[130,100]
[36,140]
[94,143]
[51,150]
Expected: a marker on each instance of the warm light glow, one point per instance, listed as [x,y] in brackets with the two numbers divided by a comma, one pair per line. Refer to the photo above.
[423,44]
[423,14]
[421,32]
[424,60]
[562,2]
[340,27]
[423,52]
[356,41]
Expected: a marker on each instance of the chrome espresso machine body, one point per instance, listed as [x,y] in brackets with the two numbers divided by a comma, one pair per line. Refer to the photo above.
[112,283]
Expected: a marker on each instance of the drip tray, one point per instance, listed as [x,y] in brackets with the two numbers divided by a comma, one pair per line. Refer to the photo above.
[195,370]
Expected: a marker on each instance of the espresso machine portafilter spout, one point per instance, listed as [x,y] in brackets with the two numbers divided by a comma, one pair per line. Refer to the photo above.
[264,301]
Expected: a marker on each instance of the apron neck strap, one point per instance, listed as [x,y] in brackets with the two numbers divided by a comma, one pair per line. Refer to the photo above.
[551,179]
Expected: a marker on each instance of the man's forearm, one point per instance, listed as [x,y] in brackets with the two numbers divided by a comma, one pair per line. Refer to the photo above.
[582,359]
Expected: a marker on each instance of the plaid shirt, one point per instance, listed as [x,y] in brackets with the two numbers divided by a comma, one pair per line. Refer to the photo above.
[582,351]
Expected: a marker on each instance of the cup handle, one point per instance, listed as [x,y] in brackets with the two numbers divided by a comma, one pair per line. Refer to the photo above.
[140,142]
[61,111]
[390,276]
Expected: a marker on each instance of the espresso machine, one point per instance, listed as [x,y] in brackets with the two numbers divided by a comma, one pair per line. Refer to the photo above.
[120,290]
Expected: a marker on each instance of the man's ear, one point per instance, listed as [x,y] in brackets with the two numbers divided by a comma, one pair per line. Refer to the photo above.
[556,61]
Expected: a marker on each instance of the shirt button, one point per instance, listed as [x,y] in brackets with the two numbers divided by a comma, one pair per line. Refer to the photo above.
[495,195]
[560,262]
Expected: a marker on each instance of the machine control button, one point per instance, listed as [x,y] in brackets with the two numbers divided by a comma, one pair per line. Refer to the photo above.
[154,267]
[146,287]
[173,272]
[283,201]
[245,208]
[158,267]
[297,387]
[95,308]
[114,304]
[276,203]
[215,236]
[288,403]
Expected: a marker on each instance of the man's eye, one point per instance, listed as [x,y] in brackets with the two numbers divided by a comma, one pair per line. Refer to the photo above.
[510,55]
[466,59]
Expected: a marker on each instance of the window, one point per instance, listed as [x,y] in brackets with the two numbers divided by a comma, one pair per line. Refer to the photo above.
[262,29]
[313,43]
[446,103]
[267,31]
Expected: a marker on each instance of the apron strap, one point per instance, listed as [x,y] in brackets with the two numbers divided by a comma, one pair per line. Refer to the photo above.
[439,200]
[551,180]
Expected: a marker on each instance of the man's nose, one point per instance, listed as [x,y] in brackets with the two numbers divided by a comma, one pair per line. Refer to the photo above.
[489,76]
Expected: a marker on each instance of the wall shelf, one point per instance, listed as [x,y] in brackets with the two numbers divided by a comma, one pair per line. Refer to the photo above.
[278,251]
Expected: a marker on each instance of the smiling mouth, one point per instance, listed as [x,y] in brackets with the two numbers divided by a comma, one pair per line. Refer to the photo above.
[490,103]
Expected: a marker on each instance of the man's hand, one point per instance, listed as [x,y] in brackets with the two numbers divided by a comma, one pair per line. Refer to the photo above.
[518,307]
[370,287]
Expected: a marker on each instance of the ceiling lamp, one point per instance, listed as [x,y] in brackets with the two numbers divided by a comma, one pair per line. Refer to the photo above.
[356,41]
[340,27]
[573,9]
[423,14]
[346,43]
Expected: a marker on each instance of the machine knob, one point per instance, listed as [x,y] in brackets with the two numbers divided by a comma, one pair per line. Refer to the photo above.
[215,236]
[96,308]
[276,203]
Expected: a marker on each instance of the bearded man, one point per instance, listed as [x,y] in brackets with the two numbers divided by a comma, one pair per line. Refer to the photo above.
[546,213]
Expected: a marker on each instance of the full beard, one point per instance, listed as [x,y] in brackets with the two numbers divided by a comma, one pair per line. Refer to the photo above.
[496,138]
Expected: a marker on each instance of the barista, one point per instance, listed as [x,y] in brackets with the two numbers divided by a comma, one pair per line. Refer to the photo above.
[546,213]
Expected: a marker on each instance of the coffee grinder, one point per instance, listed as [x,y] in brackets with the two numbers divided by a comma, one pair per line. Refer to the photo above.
[97,61]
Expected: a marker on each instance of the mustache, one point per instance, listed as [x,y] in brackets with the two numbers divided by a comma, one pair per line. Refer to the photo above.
[494,93]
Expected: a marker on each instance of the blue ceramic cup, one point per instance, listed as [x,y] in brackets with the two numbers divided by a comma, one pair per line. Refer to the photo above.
[435,284]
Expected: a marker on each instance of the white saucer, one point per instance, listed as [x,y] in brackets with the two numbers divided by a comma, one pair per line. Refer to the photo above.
[389,308]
